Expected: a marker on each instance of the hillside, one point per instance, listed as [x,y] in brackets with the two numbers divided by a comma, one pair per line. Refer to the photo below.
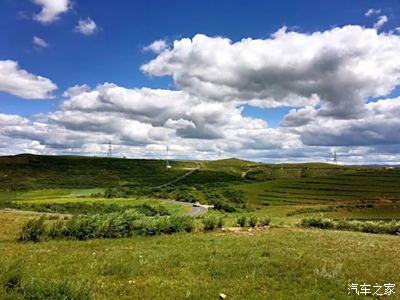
[87,203]
[24,172]
[238,182]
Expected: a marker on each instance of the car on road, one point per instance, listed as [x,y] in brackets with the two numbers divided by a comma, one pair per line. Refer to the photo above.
[196,204]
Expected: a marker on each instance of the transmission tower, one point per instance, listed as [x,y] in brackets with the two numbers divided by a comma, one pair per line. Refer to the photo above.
[167,165]
[334,158]
[109,152]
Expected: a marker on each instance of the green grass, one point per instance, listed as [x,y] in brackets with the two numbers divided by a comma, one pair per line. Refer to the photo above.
[27,172]
[278,264]
[280,261]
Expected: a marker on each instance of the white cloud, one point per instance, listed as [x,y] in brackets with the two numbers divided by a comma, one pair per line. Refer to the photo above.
[39,42]
[379,126]
[329,76]
[157,46]
[140,119]
[20,83]
[382,20]
[86,26]
[339,68]
[372,11]
[51,10]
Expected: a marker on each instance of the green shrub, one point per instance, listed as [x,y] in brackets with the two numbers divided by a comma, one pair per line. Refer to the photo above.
[234,196]
[56,230]
[346,225]
[265,221]
[392,227]
[225,207]
[83,208]
[113,225]
[242,221]
[316,221]
[180,224]
[33,230]
[253,221]
[211,222]
[221,223]
[310,210]
[163,225]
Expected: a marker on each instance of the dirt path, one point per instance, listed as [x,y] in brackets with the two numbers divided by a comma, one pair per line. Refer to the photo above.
[198,167]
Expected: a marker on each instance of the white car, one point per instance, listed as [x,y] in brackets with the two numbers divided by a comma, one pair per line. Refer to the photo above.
[196,204]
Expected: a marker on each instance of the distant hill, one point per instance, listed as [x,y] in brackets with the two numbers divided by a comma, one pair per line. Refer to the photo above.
[27,171]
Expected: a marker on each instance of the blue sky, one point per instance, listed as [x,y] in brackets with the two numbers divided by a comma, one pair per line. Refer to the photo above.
[114,52]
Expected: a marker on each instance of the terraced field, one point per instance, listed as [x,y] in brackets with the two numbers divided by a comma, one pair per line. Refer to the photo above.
[375,185]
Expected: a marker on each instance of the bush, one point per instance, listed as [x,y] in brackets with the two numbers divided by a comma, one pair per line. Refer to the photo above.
[93,208]
[392,227]
[33,230]
[253,221]
[113,225]
[212,222]
[242,221]
[310,210]
[56,230]
[265,221]
[180,224]
[220,223]
[225,207]
[234,196]
[318,222]
[163,225]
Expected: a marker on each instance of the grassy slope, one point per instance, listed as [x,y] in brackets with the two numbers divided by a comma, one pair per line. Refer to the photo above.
[281,263]
[288,186]
[26,172]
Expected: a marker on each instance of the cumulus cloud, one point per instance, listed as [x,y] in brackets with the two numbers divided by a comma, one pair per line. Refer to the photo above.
[86,26]
[382,20]
[20,83]
[157,46]
[189,115]
[339,68]
[51,10]
[37,41]
[335,79]
[139,121]
[379,126]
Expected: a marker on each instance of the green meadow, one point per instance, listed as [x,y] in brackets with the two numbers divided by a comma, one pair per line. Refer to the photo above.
[155,259]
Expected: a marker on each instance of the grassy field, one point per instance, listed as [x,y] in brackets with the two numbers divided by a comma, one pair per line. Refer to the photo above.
[281,261]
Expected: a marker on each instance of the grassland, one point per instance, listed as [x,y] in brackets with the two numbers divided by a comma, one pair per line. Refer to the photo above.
[281,261]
